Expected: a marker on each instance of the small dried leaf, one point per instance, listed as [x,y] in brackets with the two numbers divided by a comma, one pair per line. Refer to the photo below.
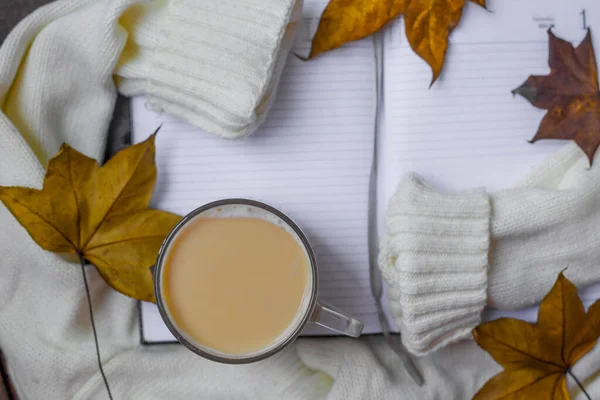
[98,212]
[570,93]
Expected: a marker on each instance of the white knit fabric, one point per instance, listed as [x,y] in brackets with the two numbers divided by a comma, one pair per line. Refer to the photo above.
[446,256]
[435,258]
[56,84]
[214,63]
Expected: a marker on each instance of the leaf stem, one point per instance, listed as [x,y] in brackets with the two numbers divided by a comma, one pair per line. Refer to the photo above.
[568,371]
[89,299]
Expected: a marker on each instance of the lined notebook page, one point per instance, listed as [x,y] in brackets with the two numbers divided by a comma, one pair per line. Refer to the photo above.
[311,159]
[468,130]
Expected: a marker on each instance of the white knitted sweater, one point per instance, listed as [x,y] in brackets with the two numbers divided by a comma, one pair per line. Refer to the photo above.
[446,256]
[57,84]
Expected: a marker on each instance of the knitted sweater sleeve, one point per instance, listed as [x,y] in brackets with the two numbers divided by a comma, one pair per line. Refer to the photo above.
[185,54]
[445,256]
[182,54]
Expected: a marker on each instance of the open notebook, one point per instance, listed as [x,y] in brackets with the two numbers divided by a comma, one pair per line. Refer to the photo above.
[313,156]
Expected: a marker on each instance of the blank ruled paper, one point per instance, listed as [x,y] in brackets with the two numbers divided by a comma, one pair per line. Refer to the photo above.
[311,159]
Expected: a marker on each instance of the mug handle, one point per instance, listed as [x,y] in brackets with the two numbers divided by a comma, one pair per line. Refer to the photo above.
[331,318]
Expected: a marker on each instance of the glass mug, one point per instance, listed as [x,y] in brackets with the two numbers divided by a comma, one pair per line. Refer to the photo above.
[312,310]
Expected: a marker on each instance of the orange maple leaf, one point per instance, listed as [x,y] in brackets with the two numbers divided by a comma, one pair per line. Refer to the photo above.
[428,25]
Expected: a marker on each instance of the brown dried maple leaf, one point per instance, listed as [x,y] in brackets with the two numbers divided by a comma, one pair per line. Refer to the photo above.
[428,24]
[537,357]
[570,93]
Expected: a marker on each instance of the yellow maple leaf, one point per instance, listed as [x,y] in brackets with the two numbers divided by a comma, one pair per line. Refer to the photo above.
[536,357]
[428,25]
[99,214]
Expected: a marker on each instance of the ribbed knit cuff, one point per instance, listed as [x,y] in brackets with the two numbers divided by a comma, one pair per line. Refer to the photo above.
[434,257]
[214,63]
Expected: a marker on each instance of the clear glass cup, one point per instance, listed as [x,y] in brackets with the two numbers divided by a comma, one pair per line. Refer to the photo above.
[313,311]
